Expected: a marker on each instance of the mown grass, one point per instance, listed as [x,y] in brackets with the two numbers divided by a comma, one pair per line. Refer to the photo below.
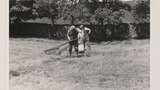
[117,65]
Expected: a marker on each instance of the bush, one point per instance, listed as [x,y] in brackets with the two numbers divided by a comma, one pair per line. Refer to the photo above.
[143,30]
[108,32]
[122,31]
[118,32]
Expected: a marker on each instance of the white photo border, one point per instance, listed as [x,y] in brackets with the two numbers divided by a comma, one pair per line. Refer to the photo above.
[154,45]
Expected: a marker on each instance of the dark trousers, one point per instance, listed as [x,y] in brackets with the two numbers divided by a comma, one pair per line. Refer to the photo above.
[75,44]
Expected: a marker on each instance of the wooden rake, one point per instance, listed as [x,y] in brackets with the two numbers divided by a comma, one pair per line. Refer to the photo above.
[57,49]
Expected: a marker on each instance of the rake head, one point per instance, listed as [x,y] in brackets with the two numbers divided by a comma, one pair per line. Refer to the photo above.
[56,51]
[51,51]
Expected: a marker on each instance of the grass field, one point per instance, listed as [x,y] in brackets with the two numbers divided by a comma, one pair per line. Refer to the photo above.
[117,65]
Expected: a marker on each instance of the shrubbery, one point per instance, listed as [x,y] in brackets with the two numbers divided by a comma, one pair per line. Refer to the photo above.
[108,32]
[143,30]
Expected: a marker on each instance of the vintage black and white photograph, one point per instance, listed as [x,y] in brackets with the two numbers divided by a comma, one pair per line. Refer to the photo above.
[79,44]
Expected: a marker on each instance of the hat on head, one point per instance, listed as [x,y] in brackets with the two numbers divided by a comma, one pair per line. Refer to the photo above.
[81,26]
[72,27]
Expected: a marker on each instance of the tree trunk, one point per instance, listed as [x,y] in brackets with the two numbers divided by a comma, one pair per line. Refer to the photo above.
[102,28]
[102,24]
[51,33]
[72,19]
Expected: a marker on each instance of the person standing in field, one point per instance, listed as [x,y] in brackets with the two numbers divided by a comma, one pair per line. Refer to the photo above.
[86,32]
[72,36]
[81,42]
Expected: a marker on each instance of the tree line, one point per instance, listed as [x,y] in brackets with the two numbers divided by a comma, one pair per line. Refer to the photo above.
[75,11]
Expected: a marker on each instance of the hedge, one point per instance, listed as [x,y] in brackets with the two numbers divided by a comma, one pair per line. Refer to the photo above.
[105,33]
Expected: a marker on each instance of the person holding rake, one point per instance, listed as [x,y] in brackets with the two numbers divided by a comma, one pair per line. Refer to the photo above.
[72,36]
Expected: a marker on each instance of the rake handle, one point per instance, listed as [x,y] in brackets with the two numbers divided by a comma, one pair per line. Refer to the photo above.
[57,47]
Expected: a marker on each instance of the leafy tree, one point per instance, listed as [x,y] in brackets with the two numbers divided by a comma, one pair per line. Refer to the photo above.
[87,16]
[93,11]
[76,11]
[90,11]
[111,11]
[92,5]
[72,11]
[21,10]
[49,9]
[108,11]
[142,12]
[84,14]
